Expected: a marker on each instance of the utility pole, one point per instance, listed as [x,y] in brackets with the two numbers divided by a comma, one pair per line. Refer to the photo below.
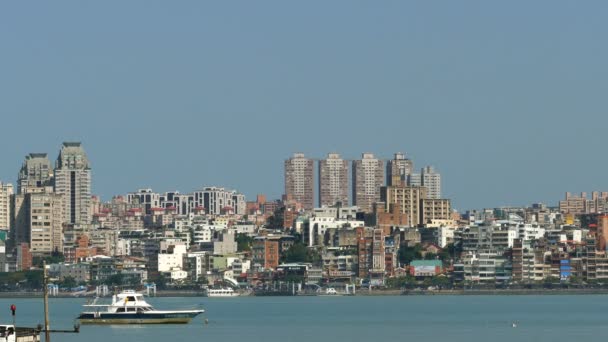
[45,281]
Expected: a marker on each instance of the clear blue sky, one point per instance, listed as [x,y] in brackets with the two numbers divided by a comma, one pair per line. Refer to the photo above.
[506,99]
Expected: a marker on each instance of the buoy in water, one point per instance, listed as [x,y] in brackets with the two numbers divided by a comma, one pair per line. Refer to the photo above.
[514,325]
[206,321]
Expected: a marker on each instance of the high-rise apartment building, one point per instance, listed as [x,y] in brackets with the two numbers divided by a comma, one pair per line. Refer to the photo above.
[299,180]
[36,172]
[404,200]
[146,198]
[333,180]
[6,192]
[431,180]
[217,201]
[398,170]
[73,182]
[368,177]
[428,178]
[38,221]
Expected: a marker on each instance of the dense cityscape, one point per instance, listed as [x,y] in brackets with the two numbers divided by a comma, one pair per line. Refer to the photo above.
[393,231]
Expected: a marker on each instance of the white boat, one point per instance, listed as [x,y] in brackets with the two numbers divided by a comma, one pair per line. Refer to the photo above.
[221,292]
[129,307]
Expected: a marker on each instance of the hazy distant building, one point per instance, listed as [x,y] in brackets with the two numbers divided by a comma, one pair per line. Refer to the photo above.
[145,198]
[36,172]
[573,204]
[73,181]
[217,201]
[398,170]
[6,192]
[368,177]
[428,178]
[333,180]
[299,181]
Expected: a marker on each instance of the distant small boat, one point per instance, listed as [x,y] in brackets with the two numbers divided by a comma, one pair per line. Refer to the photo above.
[221,292]
[129,307]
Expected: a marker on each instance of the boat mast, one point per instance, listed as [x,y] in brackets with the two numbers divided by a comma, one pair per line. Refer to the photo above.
[45,280]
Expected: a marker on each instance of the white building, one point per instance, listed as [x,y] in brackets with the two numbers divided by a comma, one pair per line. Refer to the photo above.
[73,182]
[218,201]
[202,233]
[146,198]
[315,228]
[6,191]
[171,256]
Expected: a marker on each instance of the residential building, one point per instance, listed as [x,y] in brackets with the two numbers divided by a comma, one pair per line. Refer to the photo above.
[171,256]
[38,221]
[404,200]
[265,254]
[398,170]
[333,180]
[431,180]
[36,172]
[583,205]
[145,199]
[368,177]
[73,182]
[299,181]
[6,193]
[219,201]
[433,209]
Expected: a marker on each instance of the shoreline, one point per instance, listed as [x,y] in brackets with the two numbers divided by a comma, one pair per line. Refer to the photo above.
[359,293]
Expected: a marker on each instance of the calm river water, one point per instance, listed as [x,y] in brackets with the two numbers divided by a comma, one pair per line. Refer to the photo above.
[374,318]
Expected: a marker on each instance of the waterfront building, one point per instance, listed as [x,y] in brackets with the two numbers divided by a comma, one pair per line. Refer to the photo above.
[265,252]
[73,182]
[333,180]
[299,181]
[398,170]
[6,193]
[368,177]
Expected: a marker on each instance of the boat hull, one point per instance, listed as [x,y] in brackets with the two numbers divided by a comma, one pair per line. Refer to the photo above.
[137,318]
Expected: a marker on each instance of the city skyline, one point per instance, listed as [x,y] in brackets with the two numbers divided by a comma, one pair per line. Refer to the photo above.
[35,159]
[183,96]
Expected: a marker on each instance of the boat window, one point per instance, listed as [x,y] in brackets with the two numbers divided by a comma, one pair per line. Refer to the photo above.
[130,298]
[120,310]
[130,309]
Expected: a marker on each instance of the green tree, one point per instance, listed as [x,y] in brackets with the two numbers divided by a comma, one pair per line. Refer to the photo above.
[275,221]
[401,282]
[440,281]
[407,254]
[115,279]
[430,256]
[68,282]
[243,242]
[298,252]
[33,279]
